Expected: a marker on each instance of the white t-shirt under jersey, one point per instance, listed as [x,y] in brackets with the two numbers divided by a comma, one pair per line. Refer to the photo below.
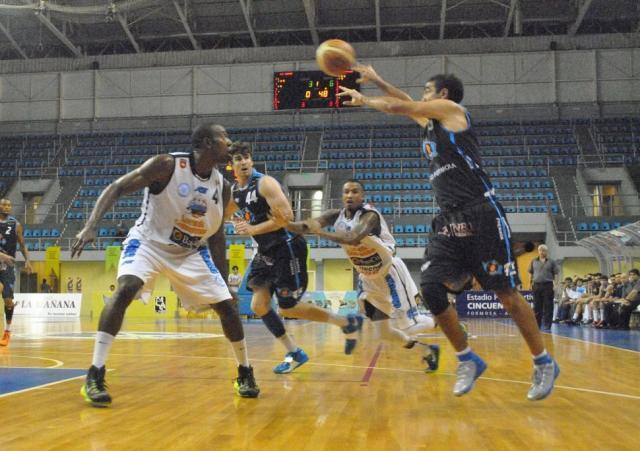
[372,257]
[187,211]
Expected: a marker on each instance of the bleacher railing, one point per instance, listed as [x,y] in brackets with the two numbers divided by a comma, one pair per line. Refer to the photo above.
[602,207]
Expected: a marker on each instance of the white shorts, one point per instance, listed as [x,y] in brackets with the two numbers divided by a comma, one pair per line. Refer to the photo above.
[394,294]
[192,274]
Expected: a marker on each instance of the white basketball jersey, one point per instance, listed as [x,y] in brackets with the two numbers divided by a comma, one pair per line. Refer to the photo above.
[187,211]
[373,256]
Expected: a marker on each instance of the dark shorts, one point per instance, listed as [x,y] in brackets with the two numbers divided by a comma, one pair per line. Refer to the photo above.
[475,241]
[282,268]
[373,313]
[8,280]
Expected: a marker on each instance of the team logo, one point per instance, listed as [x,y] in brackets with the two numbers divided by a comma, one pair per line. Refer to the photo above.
[429,149]
[184,189]
[183,163]
[493,268]
[510,269]
[161,304]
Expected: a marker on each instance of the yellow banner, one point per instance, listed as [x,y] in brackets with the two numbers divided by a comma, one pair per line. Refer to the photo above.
[111,257]
[236,257]
[52,262]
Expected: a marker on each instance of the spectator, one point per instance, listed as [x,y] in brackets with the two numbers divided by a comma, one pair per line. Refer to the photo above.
[235,278]
[121,230]
[543,273]
[630,302]
[45,287]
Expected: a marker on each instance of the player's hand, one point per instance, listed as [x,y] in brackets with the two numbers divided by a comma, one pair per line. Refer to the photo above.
[7,259]
[313,226]
[243,227]
[367,74]
[84,237]
[357,99]
[279,217]
[28,267]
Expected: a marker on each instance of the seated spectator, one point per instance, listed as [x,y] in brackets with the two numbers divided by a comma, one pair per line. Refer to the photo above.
[630,302]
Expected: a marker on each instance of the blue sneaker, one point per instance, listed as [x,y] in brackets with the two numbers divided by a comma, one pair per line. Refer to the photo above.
[468,371]
[355,325]
[291,361]
[544,377]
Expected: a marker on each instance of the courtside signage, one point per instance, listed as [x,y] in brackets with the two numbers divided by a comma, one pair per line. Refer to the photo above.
[52,305]
[483,304]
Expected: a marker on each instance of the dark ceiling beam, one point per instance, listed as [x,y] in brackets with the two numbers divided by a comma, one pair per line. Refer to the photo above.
[310,11]
[123,23]
[13,42]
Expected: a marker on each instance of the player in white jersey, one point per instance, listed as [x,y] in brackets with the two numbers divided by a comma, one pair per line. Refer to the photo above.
[181,219]
[387,291]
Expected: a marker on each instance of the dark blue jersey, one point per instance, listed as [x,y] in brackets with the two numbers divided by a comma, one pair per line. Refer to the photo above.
[8,236]
[254,209]
[455,166]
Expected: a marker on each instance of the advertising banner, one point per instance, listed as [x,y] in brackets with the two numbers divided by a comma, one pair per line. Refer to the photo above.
[483,304]
[111,257]
[48,305]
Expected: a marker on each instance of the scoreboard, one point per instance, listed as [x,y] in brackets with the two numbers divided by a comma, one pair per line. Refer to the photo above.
[310,89]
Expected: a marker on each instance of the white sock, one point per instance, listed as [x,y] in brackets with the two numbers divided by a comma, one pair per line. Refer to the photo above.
[542,354]
[587,313]
[338,320]
[288,343]
[466,350]
[601,313]
[7,326]
[101,348]
[240,352]
[596,315]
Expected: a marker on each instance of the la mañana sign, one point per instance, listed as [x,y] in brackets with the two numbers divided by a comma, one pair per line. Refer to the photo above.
[52,305]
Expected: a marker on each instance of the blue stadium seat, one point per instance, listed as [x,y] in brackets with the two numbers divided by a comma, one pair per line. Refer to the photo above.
[594,226]
[409,228]
[398,228]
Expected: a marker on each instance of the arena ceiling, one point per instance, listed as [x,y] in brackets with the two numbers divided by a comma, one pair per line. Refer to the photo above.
[66,28]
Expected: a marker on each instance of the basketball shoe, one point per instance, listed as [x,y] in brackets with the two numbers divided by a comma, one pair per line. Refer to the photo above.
[432,358]
[94,390]
[355,325]
[469,369]
[544,377]
[245,384]
[5,338]
[291,361]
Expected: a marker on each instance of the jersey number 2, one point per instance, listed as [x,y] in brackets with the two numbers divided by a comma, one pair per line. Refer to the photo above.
[8,231]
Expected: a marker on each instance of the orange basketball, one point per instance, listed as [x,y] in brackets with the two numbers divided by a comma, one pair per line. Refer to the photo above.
[335,57]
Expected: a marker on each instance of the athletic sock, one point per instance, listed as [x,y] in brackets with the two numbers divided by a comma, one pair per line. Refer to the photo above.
[288,343]
[465,354]
[8,316]
[101,348]
[240,352]
[542,358]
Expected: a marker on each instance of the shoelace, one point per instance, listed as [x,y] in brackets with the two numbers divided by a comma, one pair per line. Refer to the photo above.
[98,384]
[463,369]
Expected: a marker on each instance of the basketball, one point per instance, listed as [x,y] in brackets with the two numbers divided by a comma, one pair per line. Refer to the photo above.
[335,57]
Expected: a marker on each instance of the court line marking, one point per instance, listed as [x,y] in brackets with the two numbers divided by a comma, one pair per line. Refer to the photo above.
[578,339]
[58,363]
[369,371]
[4,395]
[402,370]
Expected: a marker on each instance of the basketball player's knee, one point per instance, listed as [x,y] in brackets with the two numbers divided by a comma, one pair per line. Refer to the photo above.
[230,320]
[128,287]
[434,296]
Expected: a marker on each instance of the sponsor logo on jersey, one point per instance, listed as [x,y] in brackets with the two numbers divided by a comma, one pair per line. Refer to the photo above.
[183,163]
[441,170]
[457,229]
[493,267]
[429,149]
[184,189]
[367,265]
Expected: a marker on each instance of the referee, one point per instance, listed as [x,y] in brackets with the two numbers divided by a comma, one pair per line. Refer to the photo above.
[543,272]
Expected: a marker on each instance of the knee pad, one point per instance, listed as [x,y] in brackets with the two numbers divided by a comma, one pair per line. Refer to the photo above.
[287,298]
[273,323]
[230,320]
[434,296]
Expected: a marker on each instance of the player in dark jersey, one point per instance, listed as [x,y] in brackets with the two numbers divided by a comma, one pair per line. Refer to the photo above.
[471,235]
[280,265]
[10,236]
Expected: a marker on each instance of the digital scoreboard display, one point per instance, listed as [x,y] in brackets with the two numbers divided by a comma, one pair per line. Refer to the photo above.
[295,90]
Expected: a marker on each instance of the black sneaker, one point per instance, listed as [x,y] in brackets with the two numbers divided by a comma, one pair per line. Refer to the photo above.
[432,359]
[245,385]
[94,390]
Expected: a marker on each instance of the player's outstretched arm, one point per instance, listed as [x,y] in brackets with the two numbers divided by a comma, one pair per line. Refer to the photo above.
[155,173]
[449,113]
[368,223]
[311,225]
[368,74]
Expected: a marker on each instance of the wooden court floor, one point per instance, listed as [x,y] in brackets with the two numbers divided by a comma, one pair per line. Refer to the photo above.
[176,393]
